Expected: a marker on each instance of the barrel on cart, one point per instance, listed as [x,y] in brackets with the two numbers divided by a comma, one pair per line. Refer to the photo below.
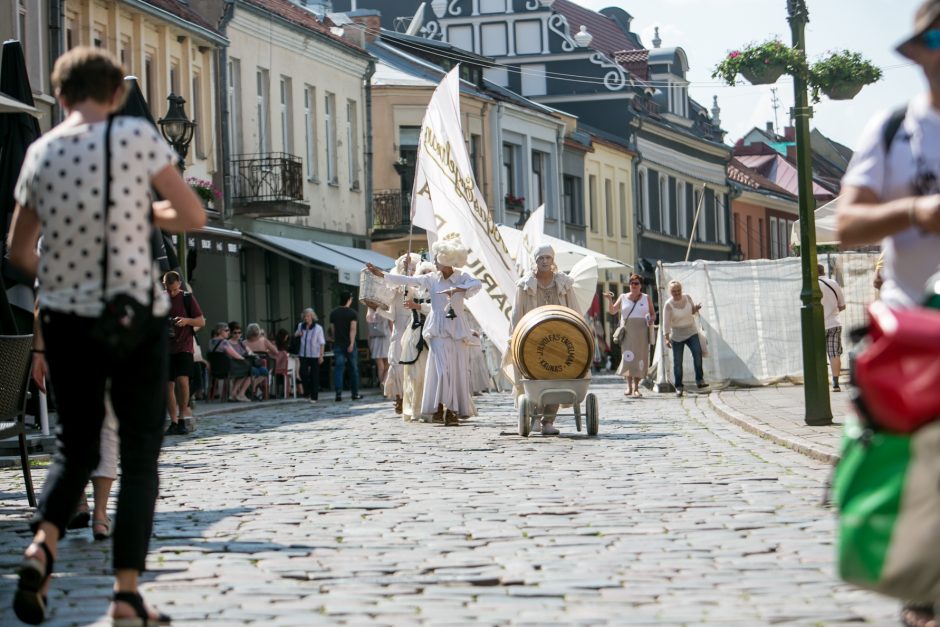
[552,349]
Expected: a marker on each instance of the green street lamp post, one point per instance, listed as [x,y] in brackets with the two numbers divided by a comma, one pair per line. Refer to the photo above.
[815,387]
[178,131]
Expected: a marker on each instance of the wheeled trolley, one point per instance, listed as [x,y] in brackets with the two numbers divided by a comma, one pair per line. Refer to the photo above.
[541,392]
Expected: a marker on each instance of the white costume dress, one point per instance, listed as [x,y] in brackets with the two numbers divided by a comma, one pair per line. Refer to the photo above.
[446,382]
[413,374]
[401,318]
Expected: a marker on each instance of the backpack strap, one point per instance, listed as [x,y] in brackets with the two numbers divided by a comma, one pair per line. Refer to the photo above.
[893,124]
[188,304]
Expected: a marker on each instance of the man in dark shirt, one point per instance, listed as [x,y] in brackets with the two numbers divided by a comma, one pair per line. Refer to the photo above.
[185,318]
[344,322]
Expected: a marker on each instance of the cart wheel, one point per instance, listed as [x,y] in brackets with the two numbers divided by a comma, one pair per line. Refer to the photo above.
[577,416]
[591,411]
[524,425]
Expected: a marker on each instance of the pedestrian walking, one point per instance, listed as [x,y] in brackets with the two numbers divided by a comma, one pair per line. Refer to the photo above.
[380,331]
[344,325]
[97,253]
[891,194]
[636,317]
[185,319]
[681,331]
[833,302]
[446,384]
[542,285]
[310,353]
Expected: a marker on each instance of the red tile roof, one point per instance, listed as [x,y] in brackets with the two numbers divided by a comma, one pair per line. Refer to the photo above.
[635,61]
[302,17]
[608,38]
[739,172]
[184,12]
[782,173]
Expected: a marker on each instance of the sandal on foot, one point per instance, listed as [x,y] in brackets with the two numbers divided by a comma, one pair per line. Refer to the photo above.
[30,604]
[137,603]
[918,615]
[101,529]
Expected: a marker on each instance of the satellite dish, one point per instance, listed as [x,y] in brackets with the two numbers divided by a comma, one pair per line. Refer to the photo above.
[416,22]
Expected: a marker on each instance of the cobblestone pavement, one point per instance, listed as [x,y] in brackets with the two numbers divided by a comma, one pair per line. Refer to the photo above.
[305,515]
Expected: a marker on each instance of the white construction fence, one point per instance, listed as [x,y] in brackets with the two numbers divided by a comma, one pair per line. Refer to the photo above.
[751,314]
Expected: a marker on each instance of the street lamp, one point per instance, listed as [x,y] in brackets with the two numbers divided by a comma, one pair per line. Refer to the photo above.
[523,218]
[178,130]
[815,383]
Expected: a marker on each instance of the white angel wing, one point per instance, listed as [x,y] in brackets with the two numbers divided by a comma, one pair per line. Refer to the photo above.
[584,274]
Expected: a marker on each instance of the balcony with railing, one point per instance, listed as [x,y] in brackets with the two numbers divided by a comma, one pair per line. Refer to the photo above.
[269,184]
[391,210]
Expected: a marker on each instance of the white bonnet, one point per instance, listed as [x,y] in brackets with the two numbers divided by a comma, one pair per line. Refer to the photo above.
[544,249]
[450,251]
[400,262]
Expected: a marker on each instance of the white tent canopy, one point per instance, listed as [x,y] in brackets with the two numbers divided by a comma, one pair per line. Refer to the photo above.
[567,254]
[826,233]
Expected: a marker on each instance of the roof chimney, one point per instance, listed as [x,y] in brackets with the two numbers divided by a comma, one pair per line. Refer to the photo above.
[770,128]
[368,21]
[789,133]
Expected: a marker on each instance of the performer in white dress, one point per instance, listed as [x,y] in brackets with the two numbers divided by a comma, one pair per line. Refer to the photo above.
[544,285]
[446,385]
[401,318]
[415,350]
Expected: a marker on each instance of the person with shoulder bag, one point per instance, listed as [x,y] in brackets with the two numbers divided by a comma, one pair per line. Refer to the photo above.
[681,331]
[636,317]
[891,194]
[103,318]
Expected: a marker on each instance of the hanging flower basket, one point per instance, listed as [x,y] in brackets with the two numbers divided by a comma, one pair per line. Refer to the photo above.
[763,74]
[761,64]
[842,91]
[842,75]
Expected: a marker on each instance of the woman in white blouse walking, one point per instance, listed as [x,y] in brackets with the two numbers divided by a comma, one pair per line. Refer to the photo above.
[446,386]
[680,330]
[636,316]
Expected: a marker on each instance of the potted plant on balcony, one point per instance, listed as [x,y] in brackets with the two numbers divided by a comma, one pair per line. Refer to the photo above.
[400,165]
[515,203]
[206,191]
[761,63]
[841,75]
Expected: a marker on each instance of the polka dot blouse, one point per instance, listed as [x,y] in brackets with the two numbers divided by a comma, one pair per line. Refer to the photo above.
[62,180]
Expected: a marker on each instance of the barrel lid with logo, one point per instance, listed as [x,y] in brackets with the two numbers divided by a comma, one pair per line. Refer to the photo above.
[552,342]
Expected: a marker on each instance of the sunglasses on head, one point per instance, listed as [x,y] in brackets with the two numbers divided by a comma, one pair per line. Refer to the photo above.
[931,39]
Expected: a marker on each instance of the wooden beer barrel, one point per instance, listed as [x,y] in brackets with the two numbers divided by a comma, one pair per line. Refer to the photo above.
[552,342]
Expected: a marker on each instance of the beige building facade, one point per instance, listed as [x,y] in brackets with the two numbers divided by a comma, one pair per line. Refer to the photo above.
[608,201]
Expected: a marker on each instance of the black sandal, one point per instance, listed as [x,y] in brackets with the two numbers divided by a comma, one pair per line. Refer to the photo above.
[30,604]
[142,619]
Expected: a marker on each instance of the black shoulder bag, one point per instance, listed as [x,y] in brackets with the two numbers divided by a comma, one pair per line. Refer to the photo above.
[124,322]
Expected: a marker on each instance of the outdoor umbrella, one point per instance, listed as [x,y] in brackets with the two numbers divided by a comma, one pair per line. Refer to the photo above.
[17,132]
[136,106]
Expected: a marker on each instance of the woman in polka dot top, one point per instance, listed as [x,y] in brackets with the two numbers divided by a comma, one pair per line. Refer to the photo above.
[60,195]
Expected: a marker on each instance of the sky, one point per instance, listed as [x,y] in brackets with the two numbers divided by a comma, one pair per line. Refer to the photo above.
[708,29]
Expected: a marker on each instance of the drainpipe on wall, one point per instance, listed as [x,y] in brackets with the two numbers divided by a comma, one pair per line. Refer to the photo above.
[559,183]
[367,78]
[497,129]
[225,122]
[56,44]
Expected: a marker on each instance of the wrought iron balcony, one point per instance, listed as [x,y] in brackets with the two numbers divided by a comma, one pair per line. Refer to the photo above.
[268,184]
[391,209]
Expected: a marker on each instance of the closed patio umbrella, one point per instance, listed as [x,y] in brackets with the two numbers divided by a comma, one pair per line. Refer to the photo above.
[17,132]
[135,105]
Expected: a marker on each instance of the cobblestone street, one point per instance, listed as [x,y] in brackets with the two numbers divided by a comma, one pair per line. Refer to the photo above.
[299,515]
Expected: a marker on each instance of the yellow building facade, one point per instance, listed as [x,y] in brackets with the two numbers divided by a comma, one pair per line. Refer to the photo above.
[608,202]
[169,51]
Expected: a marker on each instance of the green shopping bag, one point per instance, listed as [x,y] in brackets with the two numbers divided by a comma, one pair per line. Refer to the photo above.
[886,488]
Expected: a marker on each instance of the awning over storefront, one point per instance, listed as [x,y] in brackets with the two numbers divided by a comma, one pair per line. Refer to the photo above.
[566,253]
[326,255]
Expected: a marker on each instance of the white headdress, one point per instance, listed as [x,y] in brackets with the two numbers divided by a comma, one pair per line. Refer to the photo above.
[544,249]
[450,251]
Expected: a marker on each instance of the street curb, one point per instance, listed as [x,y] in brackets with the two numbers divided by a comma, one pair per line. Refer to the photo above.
[753,426]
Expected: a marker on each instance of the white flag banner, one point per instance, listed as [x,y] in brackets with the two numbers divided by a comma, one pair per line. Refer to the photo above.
[446,200]
[532,236]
